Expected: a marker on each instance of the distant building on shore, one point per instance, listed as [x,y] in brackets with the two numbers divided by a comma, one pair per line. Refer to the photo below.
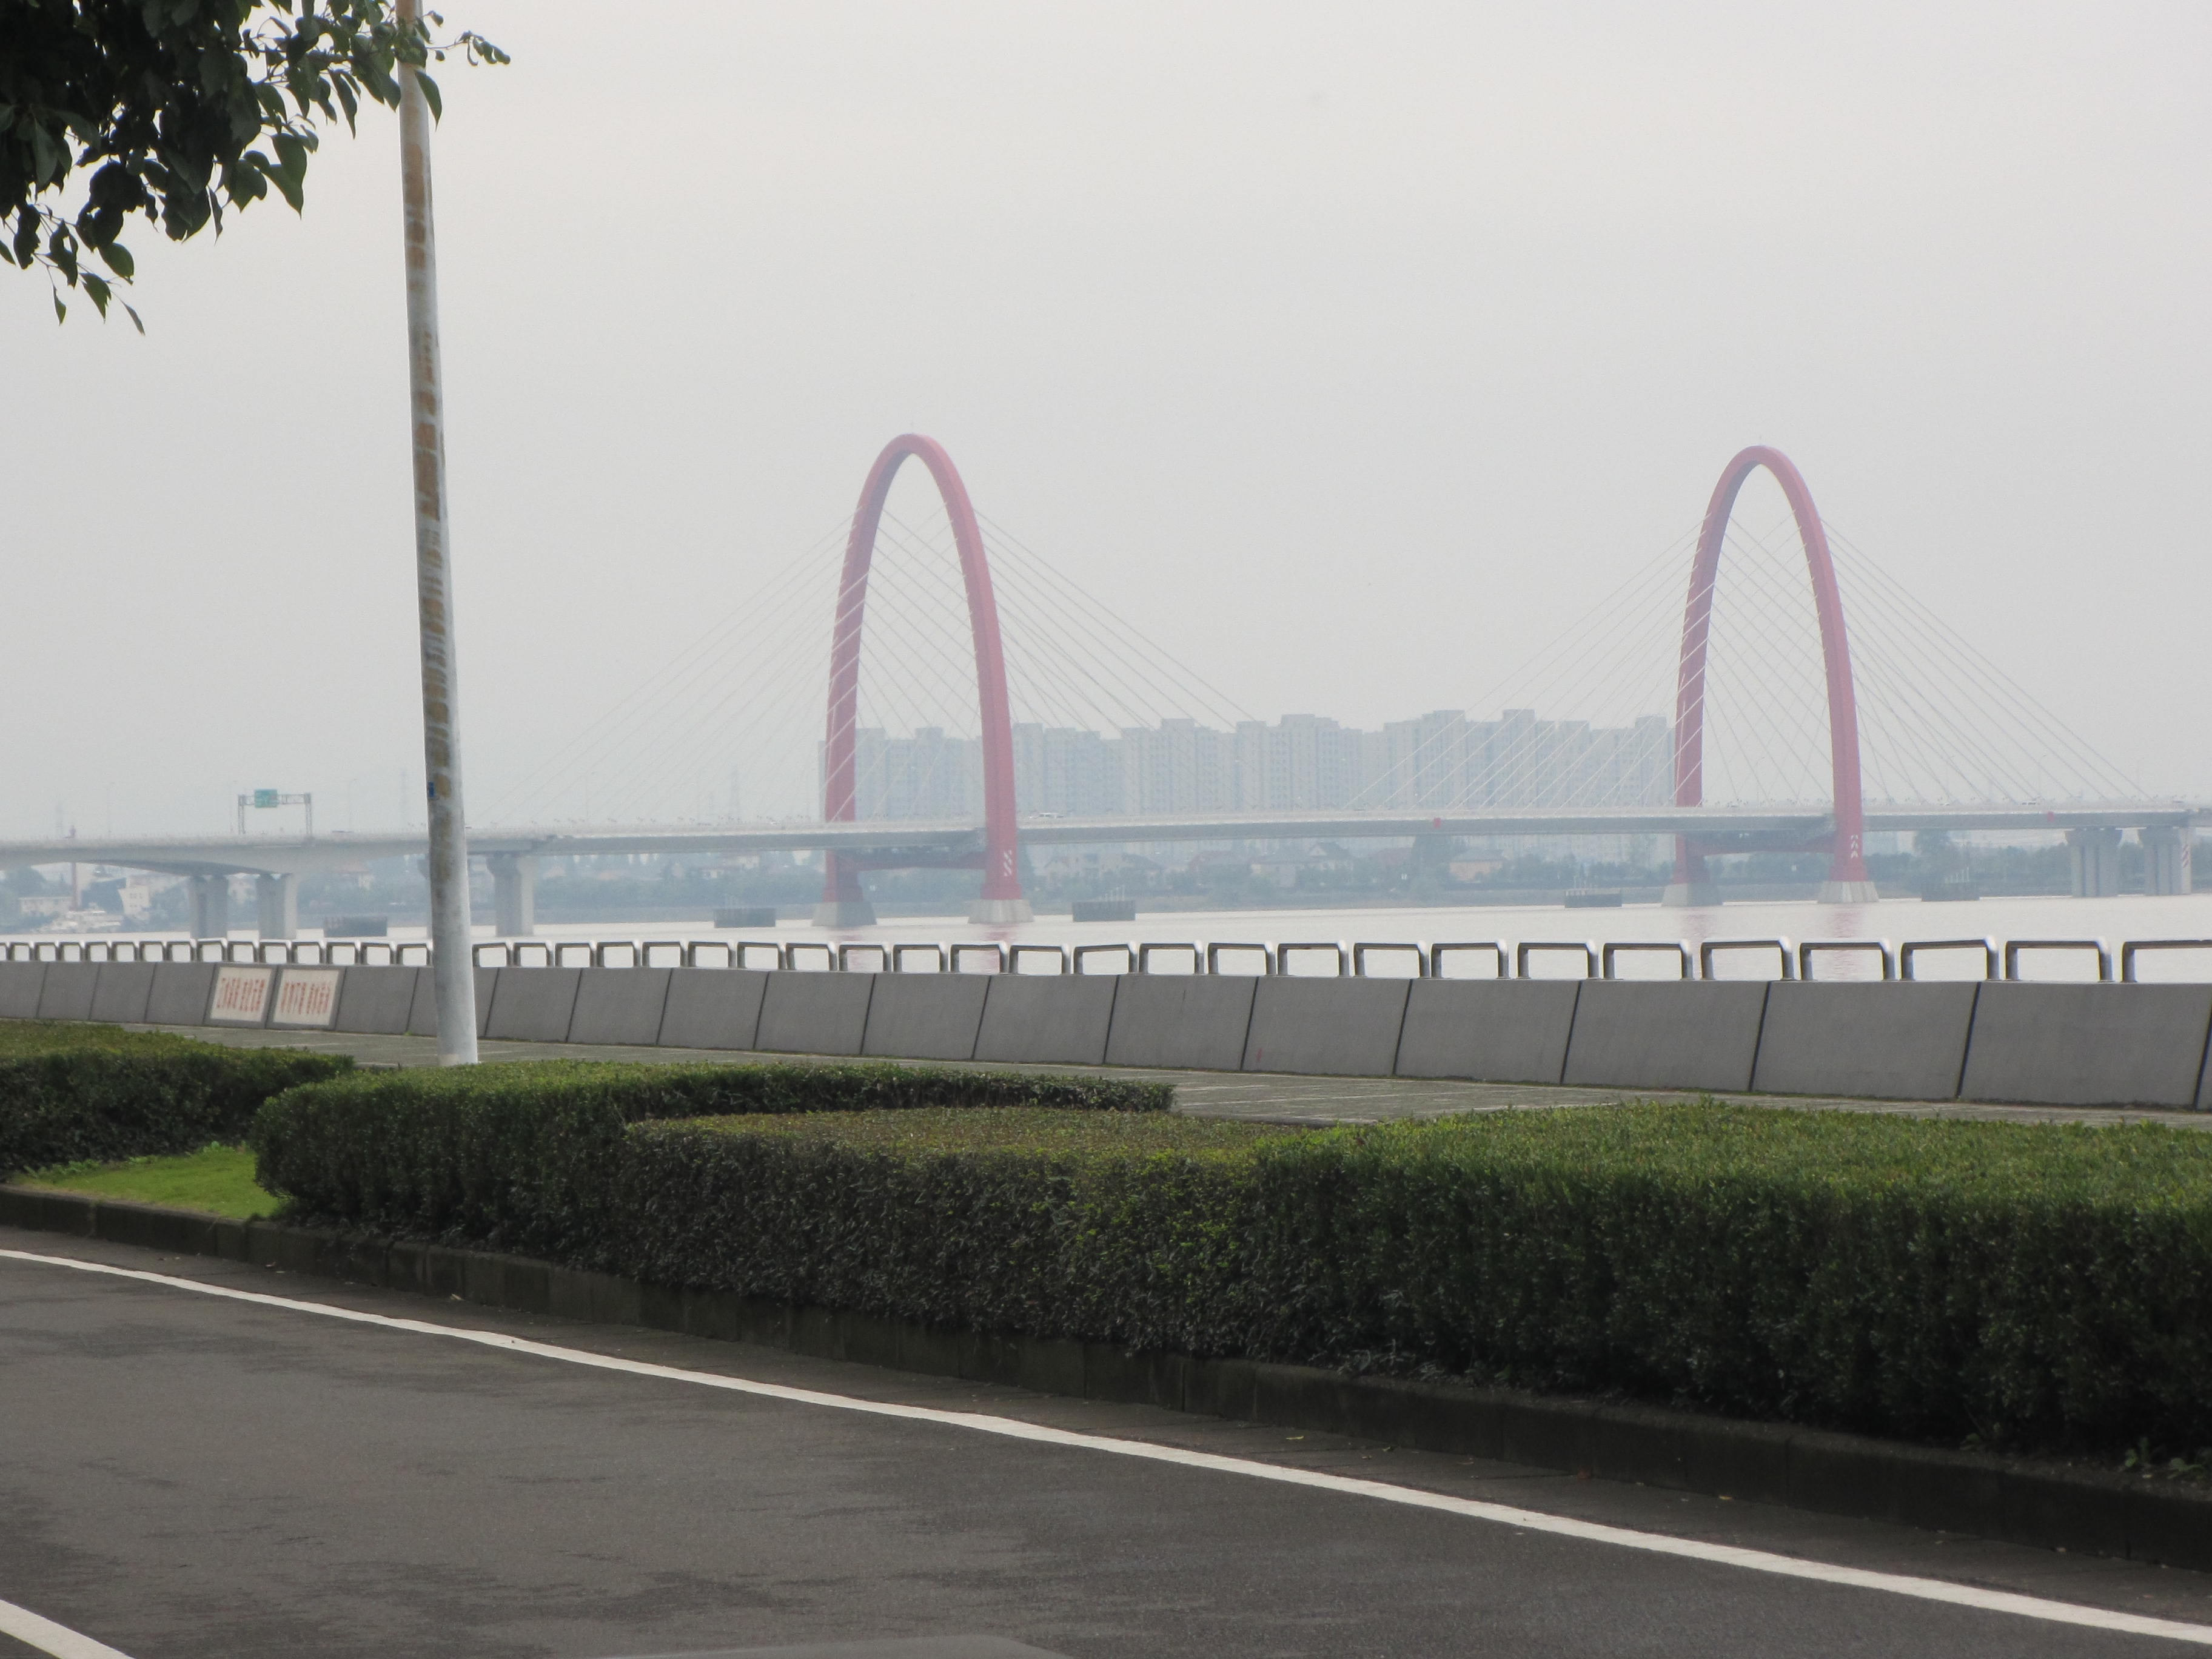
[1437,762]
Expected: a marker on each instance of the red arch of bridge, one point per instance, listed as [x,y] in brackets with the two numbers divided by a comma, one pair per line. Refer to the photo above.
[1001,879]
[1848,862]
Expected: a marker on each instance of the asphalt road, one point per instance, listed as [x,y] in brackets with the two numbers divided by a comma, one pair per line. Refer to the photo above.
[189,1477]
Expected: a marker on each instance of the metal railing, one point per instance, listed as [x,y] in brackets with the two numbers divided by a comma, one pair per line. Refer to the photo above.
[1144,956]
[1911,949]
[1285,952]
[1360,953]
[1614,948]
[1214,956]
[1779,946]
[2013,947]
[1368,958]
[1809,949]
[1502,953]
[2133,947]
[1528,948]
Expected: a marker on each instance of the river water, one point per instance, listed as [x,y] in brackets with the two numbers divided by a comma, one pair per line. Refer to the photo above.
[2112,921]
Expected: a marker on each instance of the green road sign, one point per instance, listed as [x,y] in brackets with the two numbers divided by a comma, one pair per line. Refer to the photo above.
[264,797]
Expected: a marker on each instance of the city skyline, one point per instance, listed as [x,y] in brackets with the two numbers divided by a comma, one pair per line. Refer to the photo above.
[1441,760]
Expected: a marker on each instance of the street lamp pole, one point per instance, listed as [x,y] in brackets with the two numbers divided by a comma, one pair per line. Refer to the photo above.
[451,966]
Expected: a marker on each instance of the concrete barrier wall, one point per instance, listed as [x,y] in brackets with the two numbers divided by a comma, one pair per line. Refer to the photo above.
[1326,1027]
[20,984]
[532,1005]
[68,991]
[926,1016]
[1502,1030]
[181,993]
[804,1013]
[1047,1019]
[713,1007]
[1195,1020]
[1654,1035]
[620,1005]
[2089,1045]
[376,1000]
[2030,1044]
[122,992]
[422,1018]
[1881,1040]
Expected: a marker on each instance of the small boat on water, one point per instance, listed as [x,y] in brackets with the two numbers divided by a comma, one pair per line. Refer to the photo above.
[1593,898]
[83,921]
[1949,891]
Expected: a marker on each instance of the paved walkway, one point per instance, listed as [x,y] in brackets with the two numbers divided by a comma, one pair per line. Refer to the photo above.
[1261,1096]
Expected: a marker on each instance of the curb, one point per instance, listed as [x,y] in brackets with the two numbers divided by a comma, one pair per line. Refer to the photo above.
[2048,1506]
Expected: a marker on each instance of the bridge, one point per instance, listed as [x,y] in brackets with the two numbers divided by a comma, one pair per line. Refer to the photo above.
[278,862]
[853,844]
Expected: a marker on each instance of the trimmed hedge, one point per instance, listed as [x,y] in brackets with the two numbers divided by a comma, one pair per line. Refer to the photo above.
[1130,1231]
[2034,1285]
[73,1093]
[2027,1284]
[525,1156]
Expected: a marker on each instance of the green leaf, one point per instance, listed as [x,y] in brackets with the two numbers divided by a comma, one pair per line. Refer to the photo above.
[47,157]
[61,311]
[136,322]
[291,172]
[116,257]
[430,96]
[96,287]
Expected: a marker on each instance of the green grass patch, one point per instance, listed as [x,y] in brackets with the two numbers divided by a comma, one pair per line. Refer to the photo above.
[215,1180]
[74,1093]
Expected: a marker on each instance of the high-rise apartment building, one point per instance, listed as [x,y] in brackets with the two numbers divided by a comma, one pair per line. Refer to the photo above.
[1438,761]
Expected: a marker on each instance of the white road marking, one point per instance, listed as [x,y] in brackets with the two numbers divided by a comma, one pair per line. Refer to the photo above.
[47,1636]
[1559,1525]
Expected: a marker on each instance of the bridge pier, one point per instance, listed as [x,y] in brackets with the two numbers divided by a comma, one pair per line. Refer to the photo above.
[2095,856]
[514,894]
[1833,891]
[210,907]
[276,899]
[1692,888]
[2166,864]
[844,900]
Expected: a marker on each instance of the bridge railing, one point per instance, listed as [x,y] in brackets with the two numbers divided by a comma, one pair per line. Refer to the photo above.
[2021,959]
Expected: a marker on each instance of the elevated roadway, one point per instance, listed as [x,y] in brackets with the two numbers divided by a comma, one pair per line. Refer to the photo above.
[512,854]
[1750,828]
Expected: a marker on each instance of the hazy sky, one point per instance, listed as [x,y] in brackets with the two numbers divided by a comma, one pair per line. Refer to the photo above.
[1350,350]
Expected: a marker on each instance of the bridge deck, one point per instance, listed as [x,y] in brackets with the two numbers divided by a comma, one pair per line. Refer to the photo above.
[1263,1097]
